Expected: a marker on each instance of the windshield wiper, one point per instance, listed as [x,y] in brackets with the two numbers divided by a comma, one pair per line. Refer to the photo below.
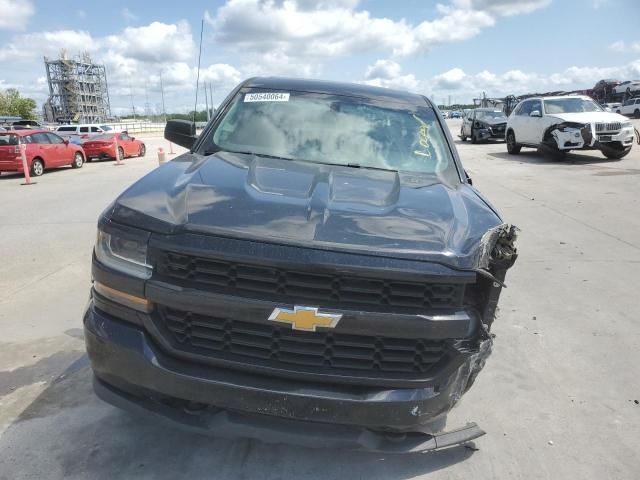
[264,155]
[358,165]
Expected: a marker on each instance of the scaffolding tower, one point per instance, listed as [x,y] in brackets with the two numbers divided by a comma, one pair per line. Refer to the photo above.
[78,90]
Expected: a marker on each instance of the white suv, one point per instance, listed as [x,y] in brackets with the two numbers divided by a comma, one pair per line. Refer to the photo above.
[630,107]
[561,124]
[82,131]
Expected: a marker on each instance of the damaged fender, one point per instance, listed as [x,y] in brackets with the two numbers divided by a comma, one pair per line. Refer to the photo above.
[497,254]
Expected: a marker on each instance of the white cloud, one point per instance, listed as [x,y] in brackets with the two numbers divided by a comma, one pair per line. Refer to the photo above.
[519,82]
[134,58]
[335,28]
[14,14]
[47,43]
[220,74]
[383,69]
[128,15]
[278,63]
[387,73]
[502,7]
[464,85]
[156,42]
[453,79]
[621,47]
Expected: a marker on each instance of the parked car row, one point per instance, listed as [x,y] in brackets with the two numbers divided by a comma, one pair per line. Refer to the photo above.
[45,150]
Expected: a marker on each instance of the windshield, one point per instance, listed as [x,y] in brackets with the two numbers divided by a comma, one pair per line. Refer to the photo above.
[334,129]
[571,105]
[8,139]
[487,115]
[103,136]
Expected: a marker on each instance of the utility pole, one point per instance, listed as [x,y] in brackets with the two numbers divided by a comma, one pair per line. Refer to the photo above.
[147,105]
[206,102]
[133,107]
[164,111]
[211,90]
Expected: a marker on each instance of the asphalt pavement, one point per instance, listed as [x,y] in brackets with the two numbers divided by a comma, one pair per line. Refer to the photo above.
[558,397]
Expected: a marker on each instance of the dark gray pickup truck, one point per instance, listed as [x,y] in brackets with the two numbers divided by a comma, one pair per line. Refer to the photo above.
[317,269]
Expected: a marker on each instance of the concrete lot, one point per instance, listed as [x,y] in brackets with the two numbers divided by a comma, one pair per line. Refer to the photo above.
[558,398]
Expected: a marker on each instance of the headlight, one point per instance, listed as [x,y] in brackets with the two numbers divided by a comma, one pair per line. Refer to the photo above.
[126,255]
[627,125]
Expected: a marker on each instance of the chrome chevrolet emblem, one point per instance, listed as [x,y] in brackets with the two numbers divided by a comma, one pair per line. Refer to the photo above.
[306,319]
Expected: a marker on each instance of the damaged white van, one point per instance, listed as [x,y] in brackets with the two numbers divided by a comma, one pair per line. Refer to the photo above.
[561,124]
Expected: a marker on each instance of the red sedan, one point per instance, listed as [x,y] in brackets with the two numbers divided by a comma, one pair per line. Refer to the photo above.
[103,146]
[44,150]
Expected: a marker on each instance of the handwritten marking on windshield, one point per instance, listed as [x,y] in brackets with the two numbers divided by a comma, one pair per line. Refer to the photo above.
[423,139]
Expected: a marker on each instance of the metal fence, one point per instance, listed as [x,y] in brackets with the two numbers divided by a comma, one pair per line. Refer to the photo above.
[141,127]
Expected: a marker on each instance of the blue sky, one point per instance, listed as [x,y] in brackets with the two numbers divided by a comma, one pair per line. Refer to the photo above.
[450,48]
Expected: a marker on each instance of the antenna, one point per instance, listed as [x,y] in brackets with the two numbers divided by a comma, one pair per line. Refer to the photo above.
[195,107]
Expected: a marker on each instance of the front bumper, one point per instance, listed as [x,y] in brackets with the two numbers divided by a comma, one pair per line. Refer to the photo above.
[490,133]
[133,372]
[625,136]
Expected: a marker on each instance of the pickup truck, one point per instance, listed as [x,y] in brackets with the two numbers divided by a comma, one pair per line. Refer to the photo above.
[316,269]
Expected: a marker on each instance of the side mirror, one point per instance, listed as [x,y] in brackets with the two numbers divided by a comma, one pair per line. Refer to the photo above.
[181,132]
[535,113]
[65,141]
[132,138]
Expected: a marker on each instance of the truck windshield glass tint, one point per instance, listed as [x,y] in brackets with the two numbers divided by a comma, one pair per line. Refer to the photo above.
[336,129]
[570,105]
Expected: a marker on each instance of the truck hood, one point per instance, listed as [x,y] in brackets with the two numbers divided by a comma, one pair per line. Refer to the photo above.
[591,117]
[384,213]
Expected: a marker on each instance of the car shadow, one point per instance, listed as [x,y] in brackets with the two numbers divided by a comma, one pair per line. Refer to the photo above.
[539,157]
[67,432]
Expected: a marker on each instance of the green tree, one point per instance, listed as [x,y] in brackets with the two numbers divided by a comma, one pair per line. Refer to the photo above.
[13,105]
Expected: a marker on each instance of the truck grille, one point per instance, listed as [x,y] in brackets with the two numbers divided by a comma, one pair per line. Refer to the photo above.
[293,286]
[278,346]
[608,127]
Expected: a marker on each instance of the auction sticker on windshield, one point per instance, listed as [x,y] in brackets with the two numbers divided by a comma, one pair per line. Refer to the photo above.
[266,97]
